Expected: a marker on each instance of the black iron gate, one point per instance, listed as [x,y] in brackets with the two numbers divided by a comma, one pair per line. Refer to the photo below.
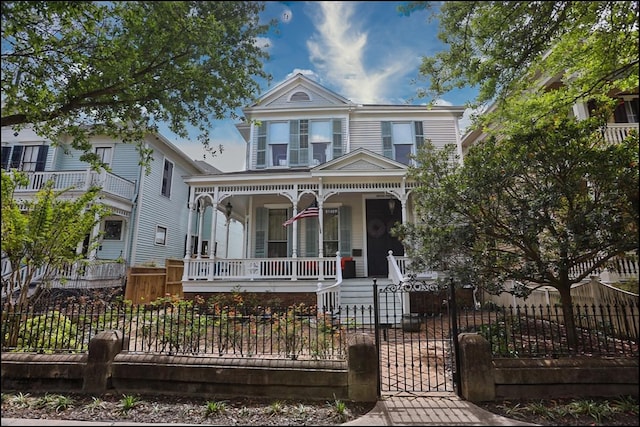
[415,325]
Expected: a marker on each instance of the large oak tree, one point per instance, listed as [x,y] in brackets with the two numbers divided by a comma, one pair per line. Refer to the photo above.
[119,68]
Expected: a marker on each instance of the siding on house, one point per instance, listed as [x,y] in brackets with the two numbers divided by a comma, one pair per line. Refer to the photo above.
[158,210]
[366,134]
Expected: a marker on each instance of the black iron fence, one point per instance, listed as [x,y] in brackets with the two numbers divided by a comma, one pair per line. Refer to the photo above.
[185,328]
[540,331]
[304,332]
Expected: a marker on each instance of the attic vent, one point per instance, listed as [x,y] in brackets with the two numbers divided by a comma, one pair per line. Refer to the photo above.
[299,96]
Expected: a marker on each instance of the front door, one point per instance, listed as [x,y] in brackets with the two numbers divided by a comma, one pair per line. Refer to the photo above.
[381,216]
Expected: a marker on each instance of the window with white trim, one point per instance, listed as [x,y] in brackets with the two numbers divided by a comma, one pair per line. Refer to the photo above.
[161,235]
[401,140]
[331,231]
[277,234]
[626,111]
[104,154]
[112,230]
[27,158]
[278,143]
[320,137]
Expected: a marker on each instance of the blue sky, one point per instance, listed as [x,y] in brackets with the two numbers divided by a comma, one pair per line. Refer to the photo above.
[365,51]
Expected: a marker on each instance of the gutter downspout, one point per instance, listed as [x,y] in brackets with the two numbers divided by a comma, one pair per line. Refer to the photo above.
[136,226]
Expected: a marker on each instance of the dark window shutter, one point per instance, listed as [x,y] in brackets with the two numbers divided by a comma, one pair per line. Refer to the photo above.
[166,178]
[337,138]
[419,135]
[387,143]
[262,224]
[312,237]
[345,231]
[42,158]
[294,143]
[16,157]
[620,114]
[261,149]
[6,152]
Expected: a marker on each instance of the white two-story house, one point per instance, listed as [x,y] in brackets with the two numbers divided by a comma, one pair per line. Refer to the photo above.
[307,145]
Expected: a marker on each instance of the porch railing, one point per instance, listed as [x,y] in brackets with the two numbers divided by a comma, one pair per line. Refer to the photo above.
[83,274]
[89,274]
[260,268]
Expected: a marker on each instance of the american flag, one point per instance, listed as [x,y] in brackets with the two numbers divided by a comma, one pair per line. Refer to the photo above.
[310,211]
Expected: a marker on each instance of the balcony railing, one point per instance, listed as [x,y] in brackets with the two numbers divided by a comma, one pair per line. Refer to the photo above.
[81,180]
[616,132]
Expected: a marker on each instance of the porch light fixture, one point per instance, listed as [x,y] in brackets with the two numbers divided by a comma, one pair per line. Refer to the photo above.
[392,205]
[227,210]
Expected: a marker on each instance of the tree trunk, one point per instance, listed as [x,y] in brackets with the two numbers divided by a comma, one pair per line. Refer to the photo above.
[567,313]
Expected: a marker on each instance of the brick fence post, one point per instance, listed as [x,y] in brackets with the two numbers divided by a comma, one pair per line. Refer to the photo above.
[103,349]
[363,368]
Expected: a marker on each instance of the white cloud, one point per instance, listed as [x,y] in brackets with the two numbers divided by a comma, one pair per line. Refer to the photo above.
[338,49]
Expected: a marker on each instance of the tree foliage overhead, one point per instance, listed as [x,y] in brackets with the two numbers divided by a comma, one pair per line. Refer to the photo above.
[504,48]
[43,234]
[119,68]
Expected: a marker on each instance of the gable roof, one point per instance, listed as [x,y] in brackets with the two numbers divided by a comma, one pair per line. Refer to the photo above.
[361,160]
[296,90]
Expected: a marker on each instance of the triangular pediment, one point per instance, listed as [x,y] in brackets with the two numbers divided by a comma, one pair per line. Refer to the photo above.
[300,92]
[361,160]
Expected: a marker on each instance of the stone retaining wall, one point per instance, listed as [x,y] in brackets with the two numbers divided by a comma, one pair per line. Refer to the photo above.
[487,379]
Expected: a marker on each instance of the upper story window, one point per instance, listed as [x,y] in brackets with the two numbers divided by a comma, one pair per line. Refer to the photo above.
[278,143]
[299,96]
[321,137]
[298,142]
[626,111]
[167,175]
[28,158]
[401,140]
[104,154]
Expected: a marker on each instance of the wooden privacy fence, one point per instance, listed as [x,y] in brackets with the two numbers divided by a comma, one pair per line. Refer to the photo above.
[146,284]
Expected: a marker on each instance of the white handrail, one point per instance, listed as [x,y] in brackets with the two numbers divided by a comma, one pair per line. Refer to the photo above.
[328,299]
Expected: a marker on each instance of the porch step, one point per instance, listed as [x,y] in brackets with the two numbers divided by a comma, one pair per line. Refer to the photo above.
[359,293]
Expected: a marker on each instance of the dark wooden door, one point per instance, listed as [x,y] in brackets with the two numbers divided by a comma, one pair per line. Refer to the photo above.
[380,219]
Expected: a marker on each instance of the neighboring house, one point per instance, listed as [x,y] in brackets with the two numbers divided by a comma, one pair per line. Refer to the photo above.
[147,224]
[623,120]
[305,145]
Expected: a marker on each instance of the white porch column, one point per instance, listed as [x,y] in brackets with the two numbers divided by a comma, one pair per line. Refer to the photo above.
[187,249]
[320,200]
[294,244]
[214,224]
[200,222]
[94,232]
[320,222]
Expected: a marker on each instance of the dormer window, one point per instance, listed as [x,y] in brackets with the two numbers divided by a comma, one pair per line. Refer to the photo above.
[299,97]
